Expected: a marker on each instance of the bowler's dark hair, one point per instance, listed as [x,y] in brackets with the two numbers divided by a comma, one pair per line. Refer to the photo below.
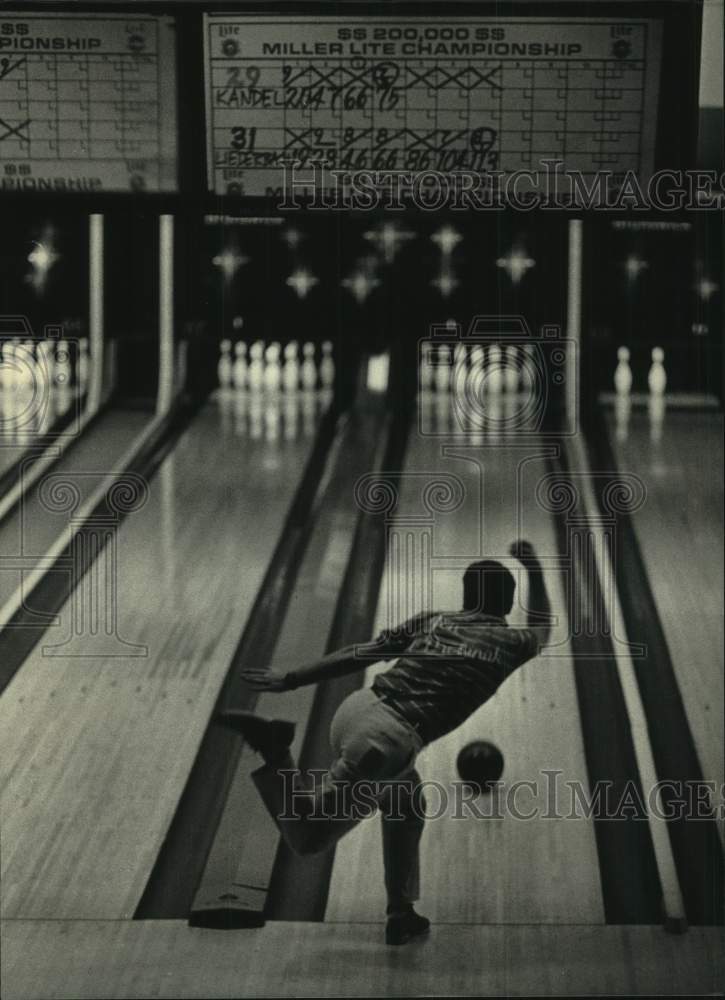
[488,587]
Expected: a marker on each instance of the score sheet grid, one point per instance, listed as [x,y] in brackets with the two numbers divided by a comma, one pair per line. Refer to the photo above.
[274,95]
[85,103]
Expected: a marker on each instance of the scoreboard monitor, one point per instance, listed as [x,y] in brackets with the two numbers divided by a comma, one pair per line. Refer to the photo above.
[87,103]
[411,94]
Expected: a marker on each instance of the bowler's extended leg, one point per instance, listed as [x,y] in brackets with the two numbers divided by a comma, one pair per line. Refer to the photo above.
[403,816]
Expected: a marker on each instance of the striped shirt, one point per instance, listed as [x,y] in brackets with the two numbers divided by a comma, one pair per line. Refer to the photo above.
[451,663]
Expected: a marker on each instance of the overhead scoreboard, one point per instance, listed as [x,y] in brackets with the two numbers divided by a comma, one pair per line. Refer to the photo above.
[425,94]
[87,103]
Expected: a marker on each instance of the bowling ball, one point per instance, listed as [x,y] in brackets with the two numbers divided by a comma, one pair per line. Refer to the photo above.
[480,764]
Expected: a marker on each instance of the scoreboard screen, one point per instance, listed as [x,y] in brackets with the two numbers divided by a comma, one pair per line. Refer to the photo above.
[87,103]
[423,94]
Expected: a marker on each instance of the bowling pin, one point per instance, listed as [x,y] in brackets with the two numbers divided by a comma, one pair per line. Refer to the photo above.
[4,370]
[49,355]
[623,373]
[426,372]
[494,371]
[44,366]
[309,370]
[45,411]
[6,409]
[443,368]
[25,356]
[17,368]
[528,369]
[10,364]
[62,364]
[255,375]
[657,377]
[327,366]
[476,405]
[224,365]
[459,356]
[16,408]
[272,368]
[478,359]
[291,368]
[511,368]
[461,387]
[240,366]
[83,365]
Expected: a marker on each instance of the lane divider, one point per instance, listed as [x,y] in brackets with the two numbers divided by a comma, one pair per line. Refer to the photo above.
[692,826]
[176,877]
[672,900]
[14,603]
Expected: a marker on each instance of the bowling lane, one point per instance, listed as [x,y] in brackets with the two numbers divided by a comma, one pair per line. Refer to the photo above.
[34,526]
[500,868]
[10,455]
[680,530]
[97,747]
[24,423]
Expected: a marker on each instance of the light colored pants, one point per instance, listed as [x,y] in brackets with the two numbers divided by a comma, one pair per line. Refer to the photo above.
[375,752]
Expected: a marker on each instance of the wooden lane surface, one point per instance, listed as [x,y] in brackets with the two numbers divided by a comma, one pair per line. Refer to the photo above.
[680,531]
[96,750]
[11,454]
[242,856]
[32,528]
[492,869]
[26,419]
[92,960]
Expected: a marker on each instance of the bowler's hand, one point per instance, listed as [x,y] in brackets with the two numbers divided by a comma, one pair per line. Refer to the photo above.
[260,679]
[525,553]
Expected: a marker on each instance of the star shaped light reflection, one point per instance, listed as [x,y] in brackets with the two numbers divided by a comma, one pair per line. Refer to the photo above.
[447,239]
[633,266]
[706,288]
[516,264]
[41,258]
[292,237]
[446,283]
[302,281]
[388,238]
[229,262]
[360,285]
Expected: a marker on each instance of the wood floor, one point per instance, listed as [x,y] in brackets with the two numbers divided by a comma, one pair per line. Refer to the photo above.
[97,750]
[680,531]
[500,869]
[95,960]
[34,526]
